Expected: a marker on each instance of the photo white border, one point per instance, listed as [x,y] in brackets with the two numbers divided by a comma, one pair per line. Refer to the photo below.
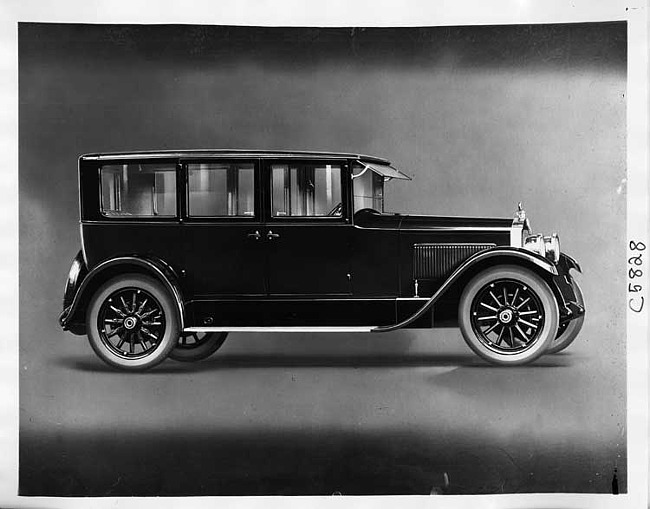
[329,13]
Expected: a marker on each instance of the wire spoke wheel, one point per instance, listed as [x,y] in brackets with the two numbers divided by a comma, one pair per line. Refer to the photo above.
[507,316]
[131,323]
[190,340]
[195,346]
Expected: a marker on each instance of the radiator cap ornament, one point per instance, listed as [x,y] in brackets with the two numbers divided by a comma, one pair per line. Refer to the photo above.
[521,213]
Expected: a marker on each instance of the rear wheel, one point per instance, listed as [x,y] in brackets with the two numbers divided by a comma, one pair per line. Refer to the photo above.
[196,346]
[132,322]
[508,315]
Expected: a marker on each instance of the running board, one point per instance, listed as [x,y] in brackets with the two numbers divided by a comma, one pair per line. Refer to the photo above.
[298,328]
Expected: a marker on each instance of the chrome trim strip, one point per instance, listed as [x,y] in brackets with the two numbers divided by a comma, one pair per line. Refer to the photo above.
[455,244]
[165,221]
[198,153]
[518,253]
[495,229]
[263,297]
[469,218]
[298,328]
[224,221]
[209,155]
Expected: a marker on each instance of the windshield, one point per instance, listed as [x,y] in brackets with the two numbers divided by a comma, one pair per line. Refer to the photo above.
[368,189]
[368,184]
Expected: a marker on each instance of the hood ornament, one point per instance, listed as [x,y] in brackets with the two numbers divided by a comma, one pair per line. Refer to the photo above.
[521,213]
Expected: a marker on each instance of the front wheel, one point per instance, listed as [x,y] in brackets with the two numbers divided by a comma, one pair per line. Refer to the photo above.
[508,315]
[132,322]
[196,346]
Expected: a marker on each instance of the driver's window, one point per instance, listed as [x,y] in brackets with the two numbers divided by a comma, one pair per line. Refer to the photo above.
[306,190]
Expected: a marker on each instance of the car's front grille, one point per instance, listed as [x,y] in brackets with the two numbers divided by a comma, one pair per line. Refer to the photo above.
[435,261]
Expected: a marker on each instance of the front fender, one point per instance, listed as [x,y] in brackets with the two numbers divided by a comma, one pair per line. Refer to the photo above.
[567,263]
[71,317]
[504,254]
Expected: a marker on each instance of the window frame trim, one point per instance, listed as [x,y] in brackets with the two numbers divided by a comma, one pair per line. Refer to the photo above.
[267,171]
[185,192]
[137,218]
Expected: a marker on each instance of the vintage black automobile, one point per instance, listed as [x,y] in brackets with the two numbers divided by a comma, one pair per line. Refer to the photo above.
[178,248]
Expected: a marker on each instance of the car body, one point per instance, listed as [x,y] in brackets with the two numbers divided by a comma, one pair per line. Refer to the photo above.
[178,248]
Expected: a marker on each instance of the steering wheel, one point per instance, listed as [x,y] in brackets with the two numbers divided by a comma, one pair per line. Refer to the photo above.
[337,210]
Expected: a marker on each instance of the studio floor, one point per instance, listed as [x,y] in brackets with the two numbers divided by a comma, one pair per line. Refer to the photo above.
[319,415]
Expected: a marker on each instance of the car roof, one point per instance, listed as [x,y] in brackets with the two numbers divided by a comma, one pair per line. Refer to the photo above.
[298,154]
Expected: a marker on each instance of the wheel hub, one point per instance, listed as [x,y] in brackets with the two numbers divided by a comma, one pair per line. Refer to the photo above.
[130,322]
[507,316]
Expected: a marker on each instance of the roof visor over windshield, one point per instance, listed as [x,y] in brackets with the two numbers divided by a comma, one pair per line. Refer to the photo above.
[384,170]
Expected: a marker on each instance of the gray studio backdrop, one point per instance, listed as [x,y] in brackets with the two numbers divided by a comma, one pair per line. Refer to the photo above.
[481,117]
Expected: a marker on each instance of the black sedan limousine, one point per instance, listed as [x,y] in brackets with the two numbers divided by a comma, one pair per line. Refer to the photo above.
[178,248]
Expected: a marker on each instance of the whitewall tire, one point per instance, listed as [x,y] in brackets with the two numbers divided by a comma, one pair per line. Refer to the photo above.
[508,315]
[132,322]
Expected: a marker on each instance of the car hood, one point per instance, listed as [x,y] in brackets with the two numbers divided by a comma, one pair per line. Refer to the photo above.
[371,219]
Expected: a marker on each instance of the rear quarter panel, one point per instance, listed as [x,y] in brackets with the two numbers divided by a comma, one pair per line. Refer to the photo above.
[106,240]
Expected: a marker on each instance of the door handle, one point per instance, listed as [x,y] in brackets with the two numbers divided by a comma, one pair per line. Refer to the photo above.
[270,235]
[255,235]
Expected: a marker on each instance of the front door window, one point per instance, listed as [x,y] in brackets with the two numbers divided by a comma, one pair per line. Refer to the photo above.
[306,190]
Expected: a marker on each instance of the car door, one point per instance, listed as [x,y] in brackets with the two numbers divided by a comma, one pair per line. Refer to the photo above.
[224,252]
[308,229]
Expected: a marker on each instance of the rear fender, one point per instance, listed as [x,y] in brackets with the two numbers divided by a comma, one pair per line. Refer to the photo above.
[73,316]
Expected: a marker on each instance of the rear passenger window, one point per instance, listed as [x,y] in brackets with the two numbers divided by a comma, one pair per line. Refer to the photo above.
[221,189]
[138,190]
